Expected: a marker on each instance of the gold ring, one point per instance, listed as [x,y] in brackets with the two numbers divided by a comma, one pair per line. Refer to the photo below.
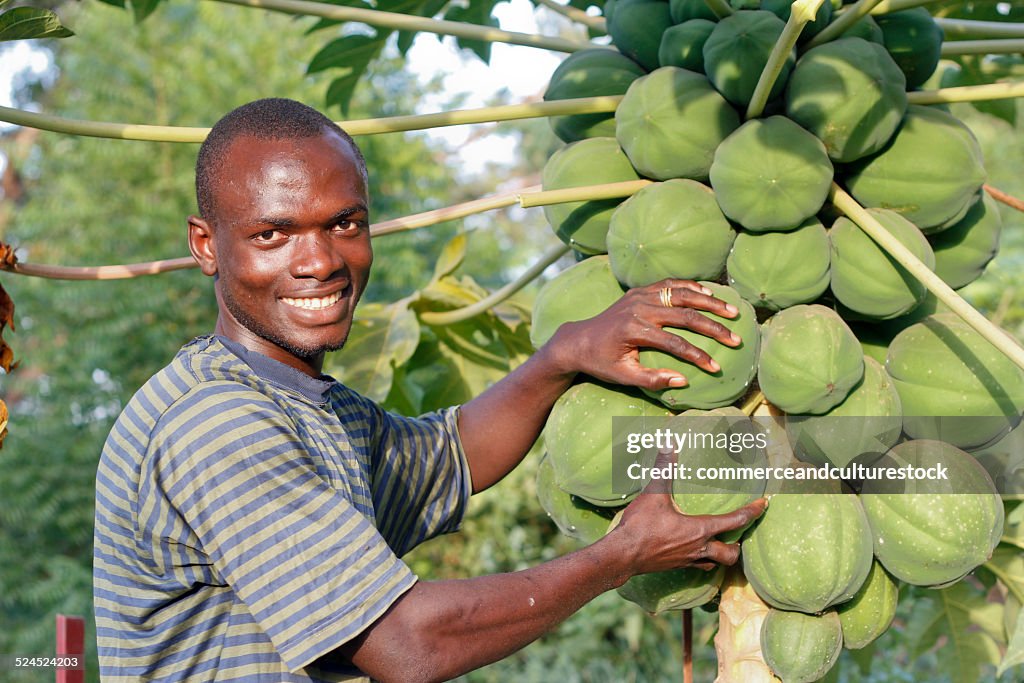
[666,297]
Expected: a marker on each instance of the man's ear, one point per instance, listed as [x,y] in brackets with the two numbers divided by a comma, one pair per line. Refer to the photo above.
[200,243]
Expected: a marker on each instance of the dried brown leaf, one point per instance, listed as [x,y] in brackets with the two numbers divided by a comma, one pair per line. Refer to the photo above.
[3,422]
[7,255]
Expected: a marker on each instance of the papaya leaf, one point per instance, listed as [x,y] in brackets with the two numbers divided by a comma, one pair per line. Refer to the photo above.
[143,8]
[24,23]
[351,55]
[451,257]
[962,615]
[327,23]
[426,9]
[1010,615]
[382,338]
[115,3]
[1007,563]
[1015,650]
[449,292]
[478,12]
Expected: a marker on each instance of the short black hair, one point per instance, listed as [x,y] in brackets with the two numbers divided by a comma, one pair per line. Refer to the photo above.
[273,118]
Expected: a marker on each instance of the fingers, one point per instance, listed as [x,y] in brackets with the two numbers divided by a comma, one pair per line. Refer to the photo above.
[692,319]
[718,524]
[690,294]
[721,553]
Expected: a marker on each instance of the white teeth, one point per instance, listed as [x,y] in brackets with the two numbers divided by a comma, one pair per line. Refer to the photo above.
[313,304]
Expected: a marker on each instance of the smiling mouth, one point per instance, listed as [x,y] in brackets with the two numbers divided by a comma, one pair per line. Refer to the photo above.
[313,304]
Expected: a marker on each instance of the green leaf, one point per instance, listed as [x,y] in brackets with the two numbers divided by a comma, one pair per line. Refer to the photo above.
[1015,650]
[451,257]
[352,55]
[426,9]
[450,292]
[25,23]
[478,12]
[327,23]
[962,615]
[143,8]
[382,338]
[1007,563]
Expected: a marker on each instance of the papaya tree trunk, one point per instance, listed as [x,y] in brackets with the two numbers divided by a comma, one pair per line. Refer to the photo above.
[738,642]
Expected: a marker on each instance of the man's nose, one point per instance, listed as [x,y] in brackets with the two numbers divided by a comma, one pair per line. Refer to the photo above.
[317,256]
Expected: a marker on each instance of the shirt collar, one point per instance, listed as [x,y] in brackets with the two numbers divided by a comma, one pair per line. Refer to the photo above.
[315,389]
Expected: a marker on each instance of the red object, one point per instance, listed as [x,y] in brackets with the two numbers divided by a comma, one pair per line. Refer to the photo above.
[71,644]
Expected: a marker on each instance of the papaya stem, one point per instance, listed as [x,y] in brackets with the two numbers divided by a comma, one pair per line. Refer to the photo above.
[738,641]
[408,22]
[392,124]
[751,404]
[982,47]
[968,93]
[1007,199]
[498,295]
[844,21]
[577,15]
[802,12]
[687,646]
[887,6]
[966,28]
[720,8]
[119,272]
[528,198]
[859,215]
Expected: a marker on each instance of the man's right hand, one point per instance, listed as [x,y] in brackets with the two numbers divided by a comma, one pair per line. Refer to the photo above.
[664,538]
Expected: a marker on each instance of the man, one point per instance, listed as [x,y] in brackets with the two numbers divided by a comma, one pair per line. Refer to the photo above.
[251,512]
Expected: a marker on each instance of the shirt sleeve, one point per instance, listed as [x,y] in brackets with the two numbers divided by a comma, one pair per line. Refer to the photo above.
[421,481]
[311,569]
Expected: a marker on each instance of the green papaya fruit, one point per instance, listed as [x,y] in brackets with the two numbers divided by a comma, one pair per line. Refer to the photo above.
[594,161]
[801,648]
[914,40]
[685,10]
[670,229]
[865,278]
[670,122]
[1003,459]
[930,171]
[590,73]
[940,530]
[850,94]
[863,427]
[581,291]
[787,185]
[573,516]
[867,28]
[808,552]
[871,611]
[776,270]
[977,396]
[683,45]
[810,359]
[739,364]
[963,250]
[673,590]
[580,440]
[737,50]
[707,496]
[636,27]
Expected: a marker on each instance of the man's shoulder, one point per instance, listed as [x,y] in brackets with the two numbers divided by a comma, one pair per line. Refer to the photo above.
[203,371]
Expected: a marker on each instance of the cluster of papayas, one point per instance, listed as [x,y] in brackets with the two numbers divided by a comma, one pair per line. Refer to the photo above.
[836,333]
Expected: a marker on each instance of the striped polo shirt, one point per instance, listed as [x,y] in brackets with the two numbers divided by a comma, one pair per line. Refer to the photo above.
[249,519]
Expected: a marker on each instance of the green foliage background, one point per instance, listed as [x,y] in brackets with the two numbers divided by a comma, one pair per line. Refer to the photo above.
[85,347]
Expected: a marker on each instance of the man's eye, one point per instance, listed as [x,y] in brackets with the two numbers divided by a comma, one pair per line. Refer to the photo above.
[266,235]
[348,226]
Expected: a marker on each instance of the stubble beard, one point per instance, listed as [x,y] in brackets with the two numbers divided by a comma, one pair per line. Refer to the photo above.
[262,331]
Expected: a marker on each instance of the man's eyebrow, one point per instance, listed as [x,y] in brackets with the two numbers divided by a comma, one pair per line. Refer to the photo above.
[342,215]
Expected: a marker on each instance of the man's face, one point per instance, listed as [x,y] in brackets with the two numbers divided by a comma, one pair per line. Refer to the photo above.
[292,245]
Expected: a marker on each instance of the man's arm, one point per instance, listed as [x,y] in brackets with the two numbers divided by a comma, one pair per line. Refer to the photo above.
[498,427]
[439,630]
